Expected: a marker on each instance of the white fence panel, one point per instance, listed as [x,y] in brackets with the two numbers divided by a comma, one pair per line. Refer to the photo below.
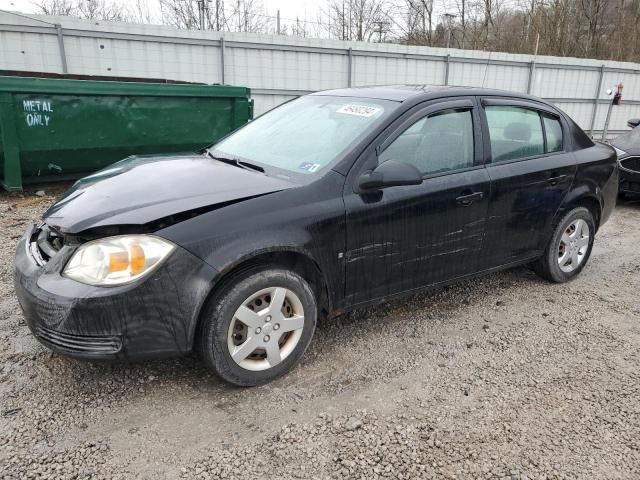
[505,77]
[32,52]
[278,68]
[630,81]
[579,111]
[565,83]
[379,70]
[265,102]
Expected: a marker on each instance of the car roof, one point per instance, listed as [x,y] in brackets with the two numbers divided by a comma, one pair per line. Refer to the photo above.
[400,93]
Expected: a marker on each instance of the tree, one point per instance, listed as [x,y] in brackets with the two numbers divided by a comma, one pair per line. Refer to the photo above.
[247,16]
[87,9]
[139,12]
[234,16]
[55,7]
[101,10]
[423,10]
[463,11]
[181,13]
[361,20]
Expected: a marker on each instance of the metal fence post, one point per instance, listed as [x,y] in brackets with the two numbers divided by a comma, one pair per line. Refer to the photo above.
[221,60]
[349,66]
[447,62]
[605,129]
[532,74]
[63,53]
[595,100]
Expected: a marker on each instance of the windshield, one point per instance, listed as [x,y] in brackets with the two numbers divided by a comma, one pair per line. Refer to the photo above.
[305,136]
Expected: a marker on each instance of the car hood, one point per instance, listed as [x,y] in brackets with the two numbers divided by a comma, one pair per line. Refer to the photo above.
[628,142]
[139,190]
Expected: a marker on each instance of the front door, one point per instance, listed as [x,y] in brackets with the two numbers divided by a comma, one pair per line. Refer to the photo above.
[401,238]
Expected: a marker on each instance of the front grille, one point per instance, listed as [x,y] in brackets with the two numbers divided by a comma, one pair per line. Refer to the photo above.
[45,244]
[89,344]
[631,164]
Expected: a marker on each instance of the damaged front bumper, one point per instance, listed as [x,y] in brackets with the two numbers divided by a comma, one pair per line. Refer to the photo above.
[155,317]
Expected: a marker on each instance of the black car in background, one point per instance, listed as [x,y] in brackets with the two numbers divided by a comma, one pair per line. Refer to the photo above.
[333,201]
[628,149]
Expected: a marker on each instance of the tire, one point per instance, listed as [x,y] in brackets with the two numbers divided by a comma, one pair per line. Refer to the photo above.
[253,296]
[554,266]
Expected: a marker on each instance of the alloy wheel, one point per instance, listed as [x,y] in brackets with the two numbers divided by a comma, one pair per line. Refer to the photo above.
[574,244]
[266,328]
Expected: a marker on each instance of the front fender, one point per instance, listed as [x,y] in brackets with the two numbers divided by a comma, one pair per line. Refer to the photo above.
[236,251]
[308,220]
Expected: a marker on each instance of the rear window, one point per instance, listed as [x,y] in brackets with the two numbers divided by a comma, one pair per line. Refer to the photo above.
[519,132]
[514,132]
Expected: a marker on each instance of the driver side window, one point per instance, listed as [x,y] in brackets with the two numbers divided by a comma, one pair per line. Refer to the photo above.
[438,143]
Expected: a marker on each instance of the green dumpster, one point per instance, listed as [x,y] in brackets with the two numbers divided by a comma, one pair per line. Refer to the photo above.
[54,129]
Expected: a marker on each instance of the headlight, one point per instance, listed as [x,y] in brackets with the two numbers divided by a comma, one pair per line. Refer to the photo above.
[117,260]
[619,152]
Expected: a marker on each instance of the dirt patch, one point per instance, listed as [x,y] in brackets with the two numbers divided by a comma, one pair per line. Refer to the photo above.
[501,377]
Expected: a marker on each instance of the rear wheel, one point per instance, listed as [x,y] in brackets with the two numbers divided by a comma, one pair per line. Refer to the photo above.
[569,248]
[258,327]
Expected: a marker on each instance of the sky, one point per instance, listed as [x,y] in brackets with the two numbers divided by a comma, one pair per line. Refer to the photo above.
[304,9]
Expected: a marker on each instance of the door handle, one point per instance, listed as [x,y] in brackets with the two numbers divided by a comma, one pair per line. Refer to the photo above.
[555,179]
[468,199]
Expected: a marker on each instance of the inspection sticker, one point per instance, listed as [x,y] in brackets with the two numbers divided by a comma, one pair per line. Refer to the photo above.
[359,110]
[309,167]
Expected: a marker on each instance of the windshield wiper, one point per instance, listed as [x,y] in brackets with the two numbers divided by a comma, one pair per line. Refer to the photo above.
[236,162]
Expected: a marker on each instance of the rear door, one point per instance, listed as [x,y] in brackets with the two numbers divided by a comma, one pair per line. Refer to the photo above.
[531,170]
[405,237]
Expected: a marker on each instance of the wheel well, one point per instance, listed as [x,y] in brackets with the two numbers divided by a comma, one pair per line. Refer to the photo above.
[592,205]
[295,261]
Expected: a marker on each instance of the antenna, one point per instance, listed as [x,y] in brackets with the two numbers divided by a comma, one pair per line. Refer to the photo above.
[486,67]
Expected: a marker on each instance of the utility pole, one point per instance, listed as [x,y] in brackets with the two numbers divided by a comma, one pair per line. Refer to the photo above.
[349,31]
[449,19]
[344,22]
[530,21]
[380,25]
[218,15]
[278,22]
[201,14]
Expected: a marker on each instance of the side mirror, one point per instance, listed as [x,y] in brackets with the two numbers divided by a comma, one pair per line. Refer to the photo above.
[633,122]
[390,174]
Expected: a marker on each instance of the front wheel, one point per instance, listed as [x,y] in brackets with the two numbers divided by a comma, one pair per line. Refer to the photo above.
[569,248]
[258,327]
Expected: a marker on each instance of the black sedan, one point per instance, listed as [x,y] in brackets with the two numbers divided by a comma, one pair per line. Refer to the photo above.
[329,202]
[628,148]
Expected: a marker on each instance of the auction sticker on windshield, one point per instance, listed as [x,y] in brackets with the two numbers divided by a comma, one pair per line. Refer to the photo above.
[359,110]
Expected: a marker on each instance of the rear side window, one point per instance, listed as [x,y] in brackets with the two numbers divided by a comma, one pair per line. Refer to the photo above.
[554,133]
[514,132]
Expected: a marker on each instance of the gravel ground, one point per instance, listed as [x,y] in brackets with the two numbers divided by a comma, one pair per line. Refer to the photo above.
[502,377]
